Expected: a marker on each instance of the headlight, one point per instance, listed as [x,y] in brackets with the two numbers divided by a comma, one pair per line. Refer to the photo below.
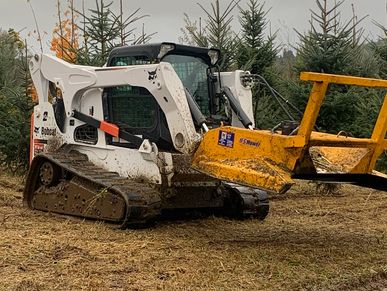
[164,49]
[214,56]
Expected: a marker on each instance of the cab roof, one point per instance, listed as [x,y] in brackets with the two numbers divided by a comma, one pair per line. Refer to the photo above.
[151,51]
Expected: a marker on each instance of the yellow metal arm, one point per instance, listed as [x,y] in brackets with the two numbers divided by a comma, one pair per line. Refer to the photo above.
[269,160]
[343,80]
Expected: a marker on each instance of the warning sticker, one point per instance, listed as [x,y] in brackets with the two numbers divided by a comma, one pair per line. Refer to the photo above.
[39,145]
[226,139]
[38,148]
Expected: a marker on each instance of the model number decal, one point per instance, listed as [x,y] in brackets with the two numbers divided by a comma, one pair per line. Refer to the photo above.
[250,142]
[226,139]
[48,131]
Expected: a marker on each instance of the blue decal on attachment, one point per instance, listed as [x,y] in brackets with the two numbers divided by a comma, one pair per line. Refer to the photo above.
[226,139]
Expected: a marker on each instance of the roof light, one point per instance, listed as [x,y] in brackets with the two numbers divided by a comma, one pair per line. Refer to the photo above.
[164,49]
[214,56]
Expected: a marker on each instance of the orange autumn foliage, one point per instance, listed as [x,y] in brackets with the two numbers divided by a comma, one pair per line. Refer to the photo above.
[31,91]
[65,39]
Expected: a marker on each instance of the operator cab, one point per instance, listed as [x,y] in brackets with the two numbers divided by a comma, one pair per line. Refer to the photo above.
[134,108]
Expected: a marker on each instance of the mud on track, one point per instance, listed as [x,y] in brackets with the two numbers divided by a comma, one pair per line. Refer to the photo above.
[308,241]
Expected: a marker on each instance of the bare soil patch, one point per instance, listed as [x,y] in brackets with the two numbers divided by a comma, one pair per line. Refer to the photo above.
[309,241]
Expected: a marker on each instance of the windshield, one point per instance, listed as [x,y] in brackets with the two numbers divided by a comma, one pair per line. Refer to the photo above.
[193,73]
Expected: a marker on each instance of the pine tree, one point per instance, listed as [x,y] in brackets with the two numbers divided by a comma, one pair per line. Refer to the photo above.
[257,53]
[330,46]
[217,31]
[15,104]
[103,30]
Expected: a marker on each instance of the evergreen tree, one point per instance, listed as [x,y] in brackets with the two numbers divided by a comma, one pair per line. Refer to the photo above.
[9,51]
[103,30]
[379,49]
[333,47]
[217,31]
[330,46]
[15,104]
[257,53]
[101,33]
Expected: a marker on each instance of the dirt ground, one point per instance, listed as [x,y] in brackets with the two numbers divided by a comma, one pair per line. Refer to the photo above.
[309,241]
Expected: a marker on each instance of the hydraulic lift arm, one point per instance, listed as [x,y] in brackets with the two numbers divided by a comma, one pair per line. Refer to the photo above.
[271,161]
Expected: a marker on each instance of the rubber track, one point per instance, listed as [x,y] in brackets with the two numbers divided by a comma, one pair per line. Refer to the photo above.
[142,201]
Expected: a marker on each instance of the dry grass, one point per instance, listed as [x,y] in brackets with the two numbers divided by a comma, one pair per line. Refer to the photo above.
[308,241]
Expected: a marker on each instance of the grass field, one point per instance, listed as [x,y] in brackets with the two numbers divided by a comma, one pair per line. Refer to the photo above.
[308,242]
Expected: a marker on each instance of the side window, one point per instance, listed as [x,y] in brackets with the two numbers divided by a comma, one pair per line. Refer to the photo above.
[130,61]
[132,107]
[193,73]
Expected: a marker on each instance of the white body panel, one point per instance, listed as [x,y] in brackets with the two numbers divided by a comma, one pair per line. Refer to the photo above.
[126,162]
[82,89]
[241,93]
[78,85]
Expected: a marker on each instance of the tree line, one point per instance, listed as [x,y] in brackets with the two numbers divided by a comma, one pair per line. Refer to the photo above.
[332,45]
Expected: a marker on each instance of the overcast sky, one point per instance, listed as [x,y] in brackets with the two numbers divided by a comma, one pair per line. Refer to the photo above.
[166,16]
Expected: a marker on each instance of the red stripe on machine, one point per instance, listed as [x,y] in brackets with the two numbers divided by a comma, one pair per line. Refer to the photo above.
[32,137]
[109,128]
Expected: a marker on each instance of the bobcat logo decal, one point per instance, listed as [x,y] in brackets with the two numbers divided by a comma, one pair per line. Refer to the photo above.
[152,75]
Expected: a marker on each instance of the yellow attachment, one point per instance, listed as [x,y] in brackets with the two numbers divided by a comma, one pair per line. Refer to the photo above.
[253,158]
[269,160]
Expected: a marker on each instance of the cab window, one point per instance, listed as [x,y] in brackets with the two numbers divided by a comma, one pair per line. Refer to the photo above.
[129,106]
[192,71]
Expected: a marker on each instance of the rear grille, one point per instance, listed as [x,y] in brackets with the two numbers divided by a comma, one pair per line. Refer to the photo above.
[86,134]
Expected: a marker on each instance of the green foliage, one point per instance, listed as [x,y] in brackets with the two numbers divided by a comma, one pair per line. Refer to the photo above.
[9,51]
[257,53]
[100,32]
[15,112]
[103,30]
[333,47]
[15,105]
[379,50]
[217,32]
[329,47]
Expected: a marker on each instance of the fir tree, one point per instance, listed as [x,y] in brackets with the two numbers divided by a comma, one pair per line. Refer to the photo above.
[257,53]
[15,102]
[103,30]
[217,31]
[101,33]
